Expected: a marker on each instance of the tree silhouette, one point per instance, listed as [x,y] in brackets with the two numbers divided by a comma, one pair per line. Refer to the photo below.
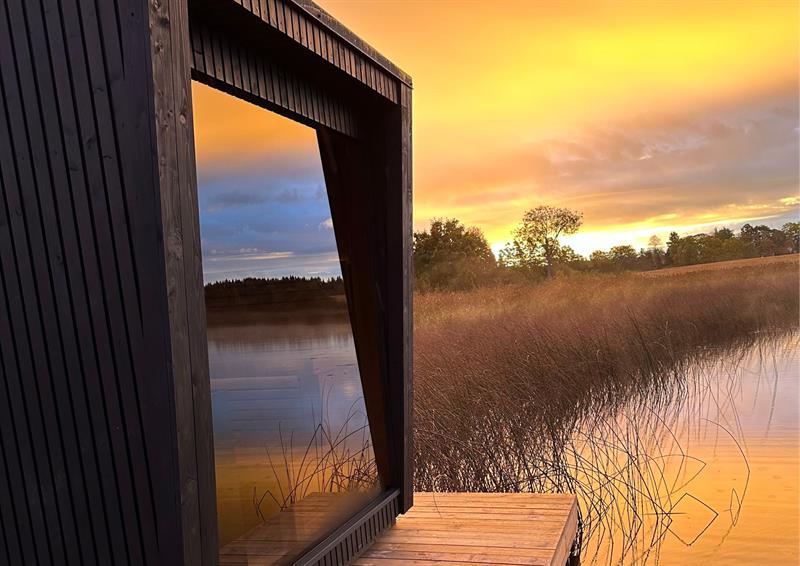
[452,256]
[535,240]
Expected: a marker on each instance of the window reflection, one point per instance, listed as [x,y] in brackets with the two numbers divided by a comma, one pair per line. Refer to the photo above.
[293,450]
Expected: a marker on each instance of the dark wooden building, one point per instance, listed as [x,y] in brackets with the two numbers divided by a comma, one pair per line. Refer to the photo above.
[106,447]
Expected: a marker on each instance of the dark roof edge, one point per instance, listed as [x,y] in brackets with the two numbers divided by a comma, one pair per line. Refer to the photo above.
[336,27]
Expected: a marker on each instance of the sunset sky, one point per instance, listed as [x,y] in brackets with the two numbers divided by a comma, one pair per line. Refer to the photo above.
[646,116]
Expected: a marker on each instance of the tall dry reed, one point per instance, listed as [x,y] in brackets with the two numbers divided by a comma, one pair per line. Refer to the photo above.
[557,387]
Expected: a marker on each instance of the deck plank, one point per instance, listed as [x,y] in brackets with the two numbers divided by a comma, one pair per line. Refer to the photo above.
[441,529]
[460,529]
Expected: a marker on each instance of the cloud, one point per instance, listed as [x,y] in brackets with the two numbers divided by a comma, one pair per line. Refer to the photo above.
[268,217]
[637,130]
[247,254]
[728,161]
[221,199]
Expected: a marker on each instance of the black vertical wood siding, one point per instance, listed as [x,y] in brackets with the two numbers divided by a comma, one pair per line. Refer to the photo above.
[220,60]
[87,436]
[106,447]
[317,31]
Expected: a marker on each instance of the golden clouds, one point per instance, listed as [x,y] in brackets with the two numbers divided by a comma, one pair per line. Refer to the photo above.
[626,110]
[508,95]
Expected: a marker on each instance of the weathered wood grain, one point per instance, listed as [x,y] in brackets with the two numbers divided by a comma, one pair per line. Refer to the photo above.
[171,60]
[222,61]
[87,435]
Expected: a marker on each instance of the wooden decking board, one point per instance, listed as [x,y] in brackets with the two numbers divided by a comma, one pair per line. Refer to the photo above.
[442,529]
[367,561]
[462,554]
[508,554]
[482,524]
[459,554]
[460,529]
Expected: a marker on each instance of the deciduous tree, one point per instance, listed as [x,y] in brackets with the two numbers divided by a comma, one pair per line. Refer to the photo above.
[535,240]
[451,256]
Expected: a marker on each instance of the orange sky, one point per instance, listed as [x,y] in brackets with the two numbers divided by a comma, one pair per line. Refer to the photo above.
[646,116]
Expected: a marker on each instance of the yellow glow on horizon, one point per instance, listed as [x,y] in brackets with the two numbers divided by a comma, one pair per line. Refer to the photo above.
[489,80]
[501,90]
[638,233]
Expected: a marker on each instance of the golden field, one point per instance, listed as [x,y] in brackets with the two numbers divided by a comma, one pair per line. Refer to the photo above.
[792,259]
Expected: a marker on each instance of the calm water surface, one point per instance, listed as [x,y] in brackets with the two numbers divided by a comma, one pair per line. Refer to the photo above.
[721,463]
[722,460]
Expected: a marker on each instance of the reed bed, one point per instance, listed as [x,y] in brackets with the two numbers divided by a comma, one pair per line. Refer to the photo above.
[568,386]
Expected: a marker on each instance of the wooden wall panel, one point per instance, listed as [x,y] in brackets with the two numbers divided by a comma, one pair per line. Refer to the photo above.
[356,57]
[401,318]
[390,143]
[224,62]
[358,220]
[369,190]
[87,435]
[106,446]
[171,63]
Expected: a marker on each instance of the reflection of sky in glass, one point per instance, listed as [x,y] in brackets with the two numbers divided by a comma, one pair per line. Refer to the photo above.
[268,215]
[285,388]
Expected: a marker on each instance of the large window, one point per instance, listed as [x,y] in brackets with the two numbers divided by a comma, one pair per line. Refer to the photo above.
[293,449]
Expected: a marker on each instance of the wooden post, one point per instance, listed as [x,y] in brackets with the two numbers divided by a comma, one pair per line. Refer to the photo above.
[170,50]
[370,191]
[355,204]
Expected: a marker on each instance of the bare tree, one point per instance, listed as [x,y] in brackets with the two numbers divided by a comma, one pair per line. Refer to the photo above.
[655,248]
[654,243]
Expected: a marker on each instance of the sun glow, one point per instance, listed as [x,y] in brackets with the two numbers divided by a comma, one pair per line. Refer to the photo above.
[646,117]
[598,106]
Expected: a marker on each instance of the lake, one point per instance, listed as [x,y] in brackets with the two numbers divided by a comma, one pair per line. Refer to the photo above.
[712,479]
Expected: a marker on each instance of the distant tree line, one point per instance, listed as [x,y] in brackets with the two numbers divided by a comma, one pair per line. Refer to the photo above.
[451,256]
[292,290]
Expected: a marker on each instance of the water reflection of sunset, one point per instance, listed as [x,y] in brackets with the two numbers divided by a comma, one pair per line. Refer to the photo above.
[723,461]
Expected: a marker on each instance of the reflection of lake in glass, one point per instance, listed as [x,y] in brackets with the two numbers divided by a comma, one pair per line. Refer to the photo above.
[710,477]
[286,396]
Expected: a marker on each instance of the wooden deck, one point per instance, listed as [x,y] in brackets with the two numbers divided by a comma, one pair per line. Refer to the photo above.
[441,529]
[461,529]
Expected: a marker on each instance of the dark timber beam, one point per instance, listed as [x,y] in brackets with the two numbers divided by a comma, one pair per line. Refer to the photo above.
[369,190]
[171,61]
[358,224]
[402,318]
[254,70]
